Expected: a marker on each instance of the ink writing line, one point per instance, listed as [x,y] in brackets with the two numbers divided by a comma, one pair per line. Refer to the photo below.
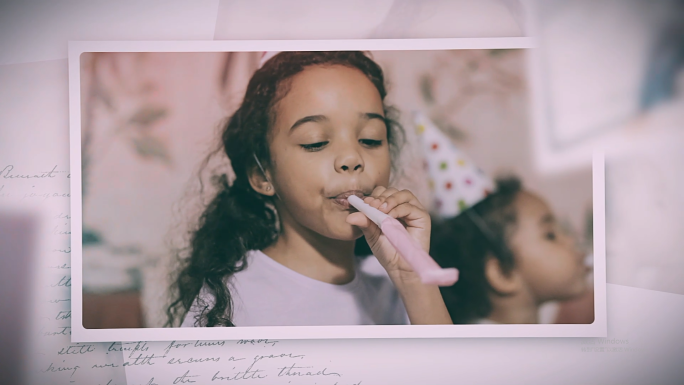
[76,349]
[9,169]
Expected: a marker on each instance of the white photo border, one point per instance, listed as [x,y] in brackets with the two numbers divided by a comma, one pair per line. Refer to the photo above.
[80,334]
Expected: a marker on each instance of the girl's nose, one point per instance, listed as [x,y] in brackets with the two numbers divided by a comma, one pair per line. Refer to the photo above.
[349,161]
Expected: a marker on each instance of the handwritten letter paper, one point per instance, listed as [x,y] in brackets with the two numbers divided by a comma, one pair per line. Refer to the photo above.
[34,178]
[229,362]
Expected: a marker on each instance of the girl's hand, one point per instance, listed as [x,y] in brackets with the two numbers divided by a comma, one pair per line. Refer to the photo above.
[405,207]
[424,304]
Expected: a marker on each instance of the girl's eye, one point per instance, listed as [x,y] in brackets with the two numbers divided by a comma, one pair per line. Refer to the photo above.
[551,236]
[314,146]
[371,142]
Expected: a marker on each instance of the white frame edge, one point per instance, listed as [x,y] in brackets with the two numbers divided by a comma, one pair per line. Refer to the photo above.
[80,334]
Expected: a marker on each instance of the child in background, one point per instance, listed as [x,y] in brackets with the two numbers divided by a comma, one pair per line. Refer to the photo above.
[513,262]
[505,241]
[276,245]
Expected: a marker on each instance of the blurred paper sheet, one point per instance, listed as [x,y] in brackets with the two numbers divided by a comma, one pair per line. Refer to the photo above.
[34,183]
[37,31]
[595,61]
[378,19]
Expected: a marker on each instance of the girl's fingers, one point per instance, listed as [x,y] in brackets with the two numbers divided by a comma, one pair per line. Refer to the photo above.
[385,199]
[372,199]
[358,219]
[370,230]
[410,214]
[381,201]
[396,198]
[387,192]
[377,191]
[378,196]
[416,220]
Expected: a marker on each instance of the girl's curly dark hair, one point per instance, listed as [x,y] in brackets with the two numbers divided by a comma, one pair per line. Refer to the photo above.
[239,219]
[459,242]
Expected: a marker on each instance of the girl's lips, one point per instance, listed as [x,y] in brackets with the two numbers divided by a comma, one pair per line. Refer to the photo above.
[341,199]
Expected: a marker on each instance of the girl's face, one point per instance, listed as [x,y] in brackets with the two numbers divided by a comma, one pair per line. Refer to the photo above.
[546,258]
[329,140]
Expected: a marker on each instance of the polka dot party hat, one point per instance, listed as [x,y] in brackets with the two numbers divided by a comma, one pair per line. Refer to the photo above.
[454,180]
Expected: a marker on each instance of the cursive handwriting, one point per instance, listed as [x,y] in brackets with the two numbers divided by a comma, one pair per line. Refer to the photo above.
[65,281]
[126,347]
[62,266]
[292,371]
[248,374]
[42,175]
[77,349]
[185,378]
[57,231]
[196,344]
[284,355]
[193,360]
[46,195]
[56,369]
[199,344]
[142,360]
[176,345]
[63,314]
[258,358]
[257,342]
[63,216]
[54,358]
[64,331]
[58,300]
[289,366]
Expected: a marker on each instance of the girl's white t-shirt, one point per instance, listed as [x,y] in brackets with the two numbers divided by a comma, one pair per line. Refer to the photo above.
[267,293]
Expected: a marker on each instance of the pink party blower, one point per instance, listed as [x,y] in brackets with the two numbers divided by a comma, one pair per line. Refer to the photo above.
[427,269]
